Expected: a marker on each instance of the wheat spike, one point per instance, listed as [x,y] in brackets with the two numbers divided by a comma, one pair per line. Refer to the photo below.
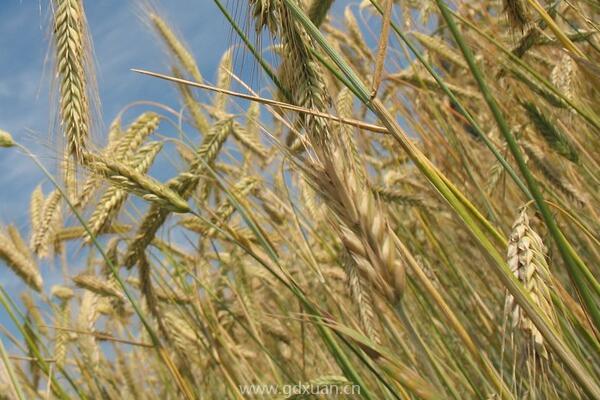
[527,260]
[127,178]
[43,236]
[113,199]
[362,226]
[36,207]
[251,142]
[71,42]
[223,81]
[34,312]
[99,286]
[177,49]
[62,320]
[126,146]
[441,48]
[23,266]
[564,76]
[86,322]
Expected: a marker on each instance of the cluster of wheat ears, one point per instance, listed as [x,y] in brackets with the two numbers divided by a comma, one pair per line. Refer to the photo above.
[406,203]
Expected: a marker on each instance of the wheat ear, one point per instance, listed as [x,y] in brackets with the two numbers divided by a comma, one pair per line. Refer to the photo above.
[113,199]
[527,260]
[24,267]
[127,178]
[43,235]
[70,37]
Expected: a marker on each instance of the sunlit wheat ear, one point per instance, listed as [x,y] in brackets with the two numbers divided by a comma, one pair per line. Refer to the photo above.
[439,47]
[199,119]
[362,298]
[186,339]
[565,76]
[176,48]
[125,147]
[18,241]
[123,176]
[121,146]
[98,286]
[517,13]
[369,240]
[223,81]
[21,265]
[86,322]
[72,66]
[184,185]
[249,141]
[43,235]
[345,107]
[113,199]
[62,321]
[526,258]
[36,208]
[34,313]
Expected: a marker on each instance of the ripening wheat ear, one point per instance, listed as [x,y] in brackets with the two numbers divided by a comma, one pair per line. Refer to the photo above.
[42,236]
[176,48]
[61,321]
[86,322]
[72,65]
[113,199]
[127,178]
[527,260]
[22,265]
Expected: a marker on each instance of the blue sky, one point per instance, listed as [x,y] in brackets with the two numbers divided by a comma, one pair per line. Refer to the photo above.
[121,40]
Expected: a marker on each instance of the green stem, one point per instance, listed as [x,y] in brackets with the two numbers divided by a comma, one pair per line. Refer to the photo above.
[578,271]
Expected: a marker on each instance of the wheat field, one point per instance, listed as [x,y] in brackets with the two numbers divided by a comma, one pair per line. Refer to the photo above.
[395,201]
